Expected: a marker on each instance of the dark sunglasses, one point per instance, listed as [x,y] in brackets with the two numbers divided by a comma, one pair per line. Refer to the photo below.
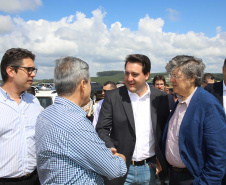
[28,69]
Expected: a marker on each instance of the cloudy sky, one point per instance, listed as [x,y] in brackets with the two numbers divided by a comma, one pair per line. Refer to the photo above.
[103,32]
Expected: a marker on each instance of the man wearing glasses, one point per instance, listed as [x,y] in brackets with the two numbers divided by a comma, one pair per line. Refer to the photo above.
[109,85]
[194,136]
[19,111]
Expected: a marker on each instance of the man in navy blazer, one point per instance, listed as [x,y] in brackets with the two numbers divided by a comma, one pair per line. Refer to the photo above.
[218,89]
[194,137]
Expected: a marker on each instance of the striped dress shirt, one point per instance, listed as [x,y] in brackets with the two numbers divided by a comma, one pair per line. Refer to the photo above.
[17,134]
[69,150]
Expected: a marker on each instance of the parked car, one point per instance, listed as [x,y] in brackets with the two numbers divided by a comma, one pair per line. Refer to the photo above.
[46,98]
[150,84]
[96,91]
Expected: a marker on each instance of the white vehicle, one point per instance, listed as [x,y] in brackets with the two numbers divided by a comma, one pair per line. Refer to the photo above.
[46,98]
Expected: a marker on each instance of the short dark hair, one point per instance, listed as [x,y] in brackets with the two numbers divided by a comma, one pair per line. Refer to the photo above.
[138,58]
[207,76]
[224,63]
[167,85]
[159,77]
[112,84]
[14,57]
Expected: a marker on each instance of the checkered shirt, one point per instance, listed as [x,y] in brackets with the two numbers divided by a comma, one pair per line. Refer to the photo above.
[69,150]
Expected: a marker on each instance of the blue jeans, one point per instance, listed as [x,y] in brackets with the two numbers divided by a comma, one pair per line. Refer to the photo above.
[143,175]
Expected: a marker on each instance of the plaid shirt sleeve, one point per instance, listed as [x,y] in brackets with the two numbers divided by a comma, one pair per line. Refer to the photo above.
[90,152]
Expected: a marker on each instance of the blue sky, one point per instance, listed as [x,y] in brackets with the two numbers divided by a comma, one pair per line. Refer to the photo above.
[104,32]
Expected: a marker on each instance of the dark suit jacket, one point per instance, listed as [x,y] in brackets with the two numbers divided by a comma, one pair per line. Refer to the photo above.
[116,125]
[171,101]
[202,138]
[216,89]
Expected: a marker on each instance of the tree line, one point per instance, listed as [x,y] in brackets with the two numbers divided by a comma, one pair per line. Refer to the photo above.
[109,73]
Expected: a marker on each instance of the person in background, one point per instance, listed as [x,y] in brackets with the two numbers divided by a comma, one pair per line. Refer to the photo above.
[88,108]
[43,87]
[19,111]
[69,150]
[194,137]
[166,89]
[131,122]
[159,82]
[109,85]
[218,89]
[207,78]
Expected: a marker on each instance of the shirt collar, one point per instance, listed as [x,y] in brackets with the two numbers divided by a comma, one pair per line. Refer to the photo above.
[69,105]
[147,93]
[188,100]
[224,86]
[6,95]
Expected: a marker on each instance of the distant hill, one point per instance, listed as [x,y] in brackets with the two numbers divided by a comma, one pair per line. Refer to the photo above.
[120,77]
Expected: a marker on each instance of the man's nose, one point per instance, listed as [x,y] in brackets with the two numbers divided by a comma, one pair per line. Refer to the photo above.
[130,78]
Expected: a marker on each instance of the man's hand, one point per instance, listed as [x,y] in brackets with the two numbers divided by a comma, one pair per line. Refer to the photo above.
[121,155]
[114,152]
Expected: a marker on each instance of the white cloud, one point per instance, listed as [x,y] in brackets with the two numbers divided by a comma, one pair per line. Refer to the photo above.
[15,6]
[6,25]
[173,15]
[106,48]
[218,29]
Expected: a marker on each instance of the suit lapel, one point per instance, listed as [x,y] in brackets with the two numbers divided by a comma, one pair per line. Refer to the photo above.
[189,114]
[126,102]
[153,105]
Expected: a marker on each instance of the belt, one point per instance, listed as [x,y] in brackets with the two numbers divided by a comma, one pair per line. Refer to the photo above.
[27,176]
[140,163]
[182,170]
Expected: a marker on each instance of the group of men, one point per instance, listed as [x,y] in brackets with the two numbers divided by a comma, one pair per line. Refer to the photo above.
[136,139]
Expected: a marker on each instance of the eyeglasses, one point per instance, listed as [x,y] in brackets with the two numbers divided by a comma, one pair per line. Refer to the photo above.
[29,70]
[174,76]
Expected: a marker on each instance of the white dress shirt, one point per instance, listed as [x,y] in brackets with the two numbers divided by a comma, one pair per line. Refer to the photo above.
[97,112]
[145,142]
[224,97]
[17,134]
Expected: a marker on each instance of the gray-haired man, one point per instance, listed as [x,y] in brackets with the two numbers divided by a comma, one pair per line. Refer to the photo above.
[69,150]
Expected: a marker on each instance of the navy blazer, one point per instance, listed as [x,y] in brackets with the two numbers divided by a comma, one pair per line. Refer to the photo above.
[202,138]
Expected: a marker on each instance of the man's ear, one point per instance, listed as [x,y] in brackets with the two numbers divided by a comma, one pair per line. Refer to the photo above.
[10,71]
[82,85]
[147,76]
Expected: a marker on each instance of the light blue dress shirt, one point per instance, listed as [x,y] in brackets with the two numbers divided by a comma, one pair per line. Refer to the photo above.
[17,134]
[69,150]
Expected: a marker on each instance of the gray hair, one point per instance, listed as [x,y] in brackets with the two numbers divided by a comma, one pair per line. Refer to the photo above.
[189,65]
[68,73]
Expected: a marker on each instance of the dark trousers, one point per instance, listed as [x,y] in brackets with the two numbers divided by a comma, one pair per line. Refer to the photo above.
[224,180]
[180,178]
[28,180]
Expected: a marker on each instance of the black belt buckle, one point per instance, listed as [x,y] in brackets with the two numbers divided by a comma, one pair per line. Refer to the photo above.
[140,163]
[181,170]
[27,176]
